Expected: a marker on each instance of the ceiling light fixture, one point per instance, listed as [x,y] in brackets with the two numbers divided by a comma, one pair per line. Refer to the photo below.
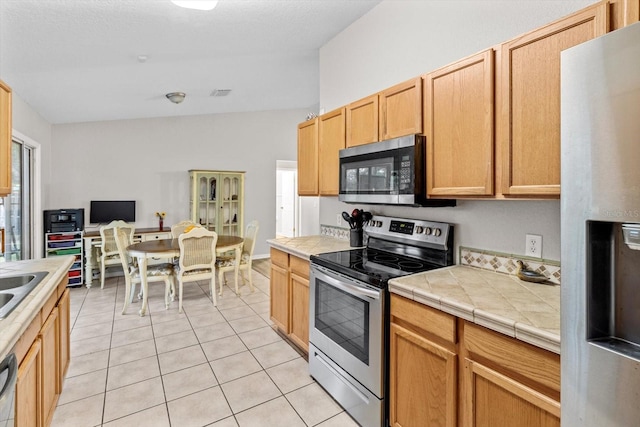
[196,4]
[176,97]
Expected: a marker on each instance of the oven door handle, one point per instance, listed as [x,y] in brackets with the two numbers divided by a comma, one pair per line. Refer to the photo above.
[354,290]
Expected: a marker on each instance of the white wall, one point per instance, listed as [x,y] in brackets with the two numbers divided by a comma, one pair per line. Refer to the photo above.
[147,160]
[398,40]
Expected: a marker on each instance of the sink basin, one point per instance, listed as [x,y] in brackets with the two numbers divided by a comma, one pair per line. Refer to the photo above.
[5,298]
[15,281]
[14,288]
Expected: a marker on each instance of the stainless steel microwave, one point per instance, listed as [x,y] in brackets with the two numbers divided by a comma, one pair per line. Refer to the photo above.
[390,172]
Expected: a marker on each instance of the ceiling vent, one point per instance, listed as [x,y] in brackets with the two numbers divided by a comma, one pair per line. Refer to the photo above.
[220,92]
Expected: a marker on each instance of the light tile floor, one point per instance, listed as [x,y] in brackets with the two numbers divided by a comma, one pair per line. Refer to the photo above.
[209,366]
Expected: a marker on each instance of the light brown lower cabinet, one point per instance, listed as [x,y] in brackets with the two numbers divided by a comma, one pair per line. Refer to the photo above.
[43,354]
[64,319]
[289,303]
[423,366]
[49,360]
[299,302]
[445,371]
[27,410]
[279,290]
[507,382]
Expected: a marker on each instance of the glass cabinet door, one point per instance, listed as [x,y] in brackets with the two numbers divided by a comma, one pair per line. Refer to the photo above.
[217,201]
[230,205]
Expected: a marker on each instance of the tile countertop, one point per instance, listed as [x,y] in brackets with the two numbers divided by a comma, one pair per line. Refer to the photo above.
[13,326]
[529,312]
[306,246]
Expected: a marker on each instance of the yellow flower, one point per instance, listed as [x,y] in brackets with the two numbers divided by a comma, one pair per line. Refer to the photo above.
[161,215]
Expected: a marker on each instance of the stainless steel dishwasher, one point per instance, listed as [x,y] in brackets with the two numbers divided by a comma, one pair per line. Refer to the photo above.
[8,376]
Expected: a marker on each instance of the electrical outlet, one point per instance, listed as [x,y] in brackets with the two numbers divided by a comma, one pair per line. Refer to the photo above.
[533,246]
[339,220]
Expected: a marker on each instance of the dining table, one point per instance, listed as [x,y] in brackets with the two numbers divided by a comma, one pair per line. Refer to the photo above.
[170,248]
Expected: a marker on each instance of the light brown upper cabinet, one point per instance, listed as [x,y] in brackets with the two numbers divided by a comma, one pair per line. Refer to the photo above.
[5,139]
[623,13]
[528,108]
[459,121]
[394,112]
[401,109]
[362,121]
[308,158]
[331,140]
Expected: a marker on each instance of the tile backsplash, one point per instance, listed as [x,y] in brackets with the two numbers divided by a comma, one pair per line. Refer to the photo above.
[337,232]
[487,260]
[506,263]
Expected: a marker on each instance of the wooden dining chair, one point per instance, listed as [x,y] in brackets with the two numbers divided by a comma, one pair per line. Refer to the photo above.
[155,273]
[197,260]
[228,263]
[108,250]
[179,228]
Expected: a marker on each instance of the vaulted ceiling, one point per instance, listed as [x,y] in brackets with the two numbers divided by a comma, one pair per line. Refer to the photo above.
[93,60]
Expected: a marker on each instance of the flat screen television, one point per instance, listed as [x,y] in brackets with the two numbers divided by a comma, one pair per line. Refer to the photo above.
[105,211]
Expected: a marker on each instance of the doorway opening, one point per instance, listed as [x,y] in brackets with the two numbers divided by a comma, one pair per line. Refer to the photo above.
[287,200]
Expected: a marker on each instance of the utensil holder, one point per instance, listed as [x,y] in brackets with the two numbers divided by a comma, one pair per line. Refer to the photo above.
[355,237]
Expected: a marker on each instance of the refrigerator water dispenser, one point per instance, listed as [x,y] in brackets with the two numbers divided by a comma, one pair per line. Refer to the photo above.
[613,287]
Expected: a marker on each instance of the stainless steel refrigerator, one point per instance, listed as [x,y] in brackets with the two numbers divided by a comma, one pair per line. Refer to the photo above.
[600,202]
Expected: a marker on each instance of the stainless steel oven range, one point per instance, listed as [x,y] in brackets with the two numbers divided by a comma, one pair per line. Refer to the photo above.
[349,309]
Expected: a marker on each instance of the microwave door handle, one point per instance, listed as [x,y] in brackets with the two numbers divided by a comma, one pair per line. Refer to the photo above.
[356,291]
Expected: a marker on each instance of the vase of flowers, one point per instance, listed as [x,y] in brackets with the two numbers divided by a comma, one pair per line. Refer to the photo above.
[161,216]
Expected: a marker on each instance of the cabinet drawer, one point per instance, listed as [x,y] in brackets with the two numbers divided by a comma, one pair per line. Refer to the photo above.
[279,258]
[423,318]
[27,338]
[299,266]
[48,306]
[513,358]
[158,236]
[62,286]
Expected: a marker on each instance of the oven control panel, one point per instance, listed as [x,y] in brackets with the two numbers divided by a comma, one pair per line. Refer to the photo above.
[411,231]
[403,227]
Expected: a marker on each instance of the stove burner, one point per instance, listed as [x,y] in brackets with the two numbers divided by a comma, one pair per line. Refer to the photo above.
[409,265]
[384,258]
[373,266]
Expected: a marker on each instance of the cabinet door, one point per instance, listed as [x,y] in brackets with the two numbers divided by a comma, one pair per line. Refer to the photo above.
[308,158]
[5,139]
[49,366]
[64,323]
[27,402]
[300,311]
[529,105]
[331,141]
[280,297]
[204,198]
[401,109]
[230,200]
[623,13]
[422,381]
[494,400]
[362,121]
[458,118]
